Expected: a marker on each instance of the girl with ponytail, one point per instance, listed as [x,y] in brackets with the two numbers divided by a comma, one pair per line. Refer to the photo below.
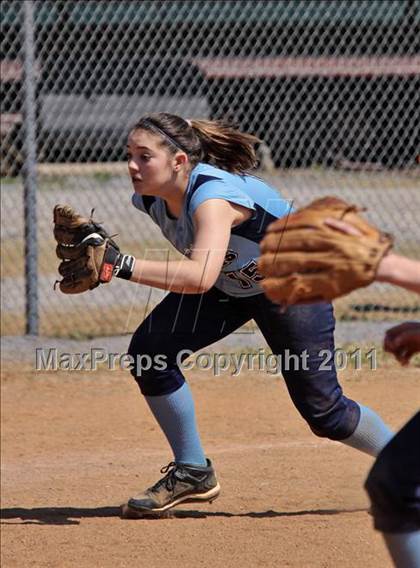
[194,179]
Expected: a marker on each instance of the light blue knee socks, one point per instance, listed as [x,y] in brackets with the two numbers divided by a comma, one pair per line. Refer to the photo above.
[404,549]
[176,416]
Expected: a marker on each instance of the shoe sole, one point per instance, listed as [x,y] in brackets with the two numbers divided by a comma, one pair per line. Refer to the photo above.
[209,496]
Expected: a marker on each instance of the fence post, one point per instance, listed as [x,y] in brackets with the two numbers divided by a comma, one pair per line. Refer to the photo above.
[30,173]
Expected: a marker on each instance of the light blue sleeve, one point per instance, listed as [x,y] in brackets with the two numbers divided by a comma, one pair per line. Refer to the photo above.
[219,190]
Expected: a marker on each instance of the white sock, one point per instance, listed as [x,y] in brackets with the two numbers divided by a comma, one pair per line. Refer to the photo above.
[371,434]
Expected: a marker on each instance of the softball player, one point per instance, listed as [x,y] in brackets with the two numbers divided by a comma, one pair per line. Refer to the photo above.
[190,178]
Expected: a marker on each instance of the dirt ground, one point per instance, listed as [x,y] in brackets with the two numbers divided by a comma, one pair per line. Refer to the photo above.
[77,445]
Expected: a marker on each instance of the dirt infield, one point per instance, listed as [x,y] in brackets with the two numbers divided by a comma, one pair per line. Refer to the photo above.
[76,445]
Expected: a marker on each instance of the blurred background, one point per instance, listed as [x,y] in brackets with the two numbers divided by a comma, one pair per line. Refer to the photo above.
[331,87]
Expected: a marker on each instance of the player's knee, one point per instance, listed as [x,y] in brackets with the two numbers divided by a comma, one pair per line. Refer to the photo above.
[155,373]
[159,383]
[336,422]
[143,355]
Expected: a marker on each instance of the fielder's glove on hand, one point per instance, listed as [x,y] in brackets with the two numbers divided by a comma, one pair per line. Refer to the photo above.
[305,258]
[89,255]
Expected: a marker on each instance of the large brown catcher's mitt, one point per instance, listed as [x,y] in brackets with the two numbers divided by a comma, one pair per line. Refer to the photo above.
[304,259]
[87,252]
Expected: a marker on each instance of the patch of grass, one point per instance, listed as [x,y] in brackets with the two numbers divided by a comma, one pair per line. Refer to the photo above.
[102,177]
[321,177]
[386,305]
[8,180]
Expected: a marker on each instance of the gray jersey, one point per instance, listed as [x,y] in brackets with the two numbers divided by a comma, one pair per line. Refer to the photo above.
[239,276]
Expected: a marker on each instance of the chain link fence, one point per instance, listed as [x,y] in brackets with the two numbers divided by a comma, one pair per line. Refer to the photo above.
[331,87]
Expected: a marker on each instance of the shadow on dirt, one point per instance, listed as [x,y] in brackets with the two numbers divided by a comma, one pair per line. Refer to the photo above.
[68,515]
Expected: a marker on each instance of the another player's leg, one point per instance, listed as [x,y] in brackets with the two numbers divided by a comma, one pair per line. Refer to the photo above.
[308,332]
[179,322]
[393,485]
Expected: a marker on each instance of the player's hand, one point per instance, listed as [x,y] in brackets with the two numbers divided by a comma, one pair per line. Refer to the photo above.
[342,226]
[403,341]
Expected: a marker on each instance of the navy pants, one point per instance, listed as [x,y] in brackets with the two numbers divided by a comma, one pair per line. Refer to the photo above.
[393,483]
[188,321]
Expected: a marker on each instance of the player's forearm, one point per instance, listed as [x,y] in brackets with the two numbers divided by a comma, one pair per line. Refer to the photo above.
[401,271]
[182,276]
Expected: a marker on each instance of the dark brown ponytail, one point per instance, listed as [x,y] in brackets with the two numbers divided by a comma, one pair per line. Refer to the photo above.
[214,142]
[226,147]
